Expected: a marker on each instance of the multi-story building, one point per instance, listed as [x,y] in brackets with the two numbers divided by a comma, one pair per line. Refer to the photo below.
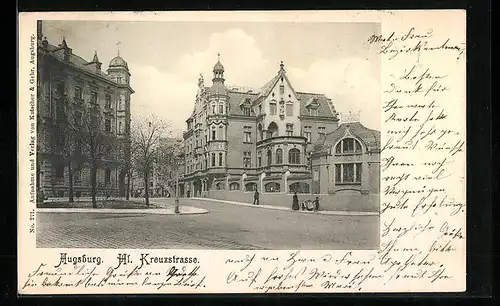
[69,86]
[241,139]
[164,171]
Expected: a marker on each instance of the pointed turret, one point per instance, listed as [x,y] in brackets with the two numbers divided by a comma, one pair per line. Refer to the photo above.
[218,86]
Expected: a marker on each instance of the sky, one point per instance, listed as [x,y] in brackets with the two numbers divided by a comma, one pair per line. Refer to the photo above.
[166,59]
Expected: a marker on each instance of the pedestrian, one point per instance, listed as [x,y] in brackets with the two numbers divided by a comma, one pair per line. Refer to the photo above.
[303,205]
[295,201]
[256,198]
[310,205]
[316,204]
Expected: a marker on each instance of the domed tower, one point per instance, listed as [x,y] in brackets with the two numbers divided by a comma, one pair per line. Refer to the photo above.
[218,107]
[118,71]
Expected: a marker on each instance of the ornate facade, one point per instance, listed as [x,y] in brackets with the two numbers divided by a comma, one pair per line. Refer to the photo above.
[240,139]
[68,86]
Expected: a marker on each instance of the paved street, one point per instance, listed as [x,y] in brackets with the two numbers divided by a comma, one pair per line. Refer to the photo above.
[226,226]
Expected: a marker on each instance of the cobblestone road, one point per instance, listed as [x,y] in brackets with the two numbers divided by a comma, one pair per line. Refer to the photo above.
[226,226]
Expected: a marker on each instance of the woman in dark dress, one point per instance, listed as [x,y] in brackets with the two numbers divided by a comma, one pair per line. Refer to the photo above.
[295,202]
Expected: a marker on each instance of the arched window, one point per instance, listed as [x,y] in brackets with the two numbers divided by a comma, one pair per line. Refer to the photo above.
[294,156]
[250,186]
[279,156]
[234,186]
[220,159]
[269,157]
[348,146]
[272,130]
[272,187]
[221,108]
[213,108]
[261,133]
[299,187]
[221,132]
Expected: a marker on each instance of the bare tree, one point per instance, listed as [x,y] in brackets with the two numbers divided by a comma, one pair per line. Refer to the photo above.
[145,136]
[67,135]
[92,140]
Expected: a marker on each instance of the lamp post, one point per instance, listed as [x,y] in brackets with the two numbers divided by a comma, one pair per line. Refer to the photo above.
[177,208]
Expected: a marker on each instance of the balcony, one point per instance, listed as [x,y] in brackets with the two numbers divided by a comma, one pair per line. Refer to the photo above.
[282,140]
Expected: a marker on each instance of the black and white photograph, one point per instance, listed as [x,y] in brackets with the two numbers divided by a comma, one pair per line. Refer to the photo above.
[192,135]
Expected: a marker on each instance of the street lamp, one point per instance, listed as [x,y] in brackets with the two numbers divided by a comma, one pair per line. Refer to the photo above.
[177,208]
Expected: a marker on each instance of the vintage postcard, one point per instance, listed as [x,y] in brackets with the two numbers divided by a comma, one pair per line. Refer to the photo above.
[242,152]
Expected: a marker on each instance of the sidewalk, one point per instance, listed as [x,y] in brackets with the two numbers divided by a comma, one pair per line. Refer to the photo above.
[184,210]
[321,212]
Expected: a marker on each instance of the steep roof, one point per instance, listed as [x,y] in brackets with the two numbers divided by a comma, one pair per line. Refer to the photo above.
[57,52]
[370,137]
[324,108]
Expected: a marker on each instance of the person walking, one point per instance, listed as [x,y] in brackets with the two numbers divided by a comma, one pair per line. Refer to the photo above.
[295,202]
[316,204]
[256,198]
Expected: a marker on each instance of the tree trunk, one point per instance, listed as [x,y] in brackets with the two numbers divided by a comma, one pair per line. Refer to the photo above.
[127,192]
[93,184]
[146,189]
[70,183]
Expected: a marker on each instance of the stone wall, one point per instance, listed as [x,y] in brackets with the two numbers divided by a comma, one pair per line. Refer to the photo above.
[331,202]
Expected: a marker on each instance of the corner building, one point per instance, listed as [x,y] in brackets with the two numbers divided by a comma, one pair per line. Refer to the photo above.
[241,140]
[68,82]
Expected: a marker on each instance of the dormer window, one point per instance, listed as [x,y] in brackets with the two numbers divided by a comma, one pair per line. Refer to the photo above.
[313,111]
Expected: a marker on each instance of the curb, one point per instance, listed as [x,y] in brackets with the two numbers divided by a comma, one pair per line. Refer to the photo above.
[152,211]
[321,212]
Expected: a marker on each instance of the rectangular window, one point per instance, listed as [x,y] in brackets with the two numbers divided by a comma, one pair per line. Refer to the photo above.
[121,103]
[213,133]
[59,171]
[107,125]
[272,108]
[248,136]
[315,175]
[289,129]
[321,130]
[289,109]
[358,173]
[348,173]
[107,101]
[259,161]
[78,118]
[247,159]
[213,159]
[221,133]
[93,97]
[107,177]
[60,88]
[78,93]
[307,133]
[220,159]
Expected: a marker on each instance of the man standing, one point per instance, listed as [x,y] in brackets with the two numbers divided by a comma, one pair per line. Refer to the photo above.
[316,204]
[256,198]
